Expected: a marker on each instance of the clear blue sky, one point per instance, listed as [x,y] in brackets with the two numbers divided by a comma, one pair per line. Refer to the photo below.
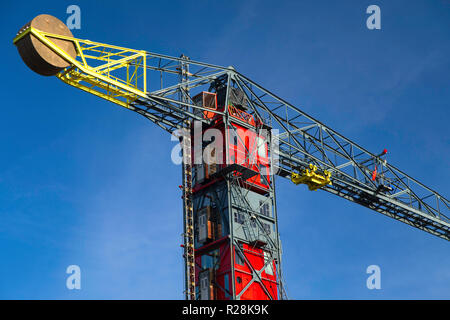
[85,182]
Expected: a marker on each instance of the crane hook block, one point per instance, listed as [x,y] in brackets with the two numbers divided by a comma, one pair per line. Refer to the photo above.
[312,179]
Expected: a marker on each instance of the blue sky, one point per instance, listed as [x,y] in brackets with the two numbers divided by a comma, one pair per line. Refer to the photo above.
[85,182]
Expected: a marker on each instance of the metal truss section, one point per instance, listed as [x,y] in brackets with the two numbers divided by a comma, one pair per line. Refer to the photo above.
[144,82]
[303,140]
[253,230]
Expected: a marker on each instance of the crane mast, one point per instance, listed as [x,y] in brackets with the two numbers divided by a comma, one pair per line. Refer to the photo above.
[232,248]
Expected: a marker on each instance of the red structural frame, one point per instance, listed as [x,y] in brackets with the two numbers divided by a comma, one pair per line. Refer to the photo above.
[244,153]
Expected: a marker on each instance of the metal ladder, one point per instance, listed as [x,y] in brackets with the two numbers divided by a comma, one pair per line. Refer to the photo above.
[189,255]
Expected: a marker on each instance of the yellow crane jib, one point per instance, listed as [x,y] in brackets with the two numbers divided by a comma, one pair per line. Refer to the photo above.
[113,73]
[312,179]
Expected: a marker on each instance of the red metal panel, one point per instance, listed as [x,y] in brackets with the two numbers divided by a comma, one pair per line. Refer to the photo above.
[245,153]
[243,274]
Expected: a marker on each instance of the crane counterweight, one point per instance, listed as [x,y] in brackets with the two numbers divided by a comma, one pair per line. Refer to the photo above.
[36,55]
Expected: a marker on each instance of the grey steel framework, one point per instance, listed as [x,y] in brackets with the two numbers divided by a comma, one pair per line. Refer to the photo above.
[252,227]
[302,140]
[230,197]
[253,230]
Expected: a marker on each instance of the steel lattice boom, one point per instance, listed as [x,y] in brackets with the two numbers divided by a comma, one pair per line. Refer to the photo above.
[148,83]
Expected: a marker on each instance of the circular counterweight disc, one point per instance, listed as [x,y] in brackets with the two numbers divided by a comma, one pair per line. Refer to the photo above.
[36,55]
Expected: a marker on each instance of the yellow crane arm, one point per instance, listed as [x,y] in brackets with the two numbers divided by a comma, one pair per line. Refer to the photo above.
[110,72]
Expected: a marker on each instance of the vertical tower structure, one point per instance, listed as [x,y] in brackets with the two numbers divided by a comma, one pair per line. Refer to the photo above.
[237,246]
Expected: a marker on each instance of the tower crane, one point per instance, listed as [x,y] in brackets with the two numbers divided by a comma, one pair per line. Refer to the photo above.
[232,248]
